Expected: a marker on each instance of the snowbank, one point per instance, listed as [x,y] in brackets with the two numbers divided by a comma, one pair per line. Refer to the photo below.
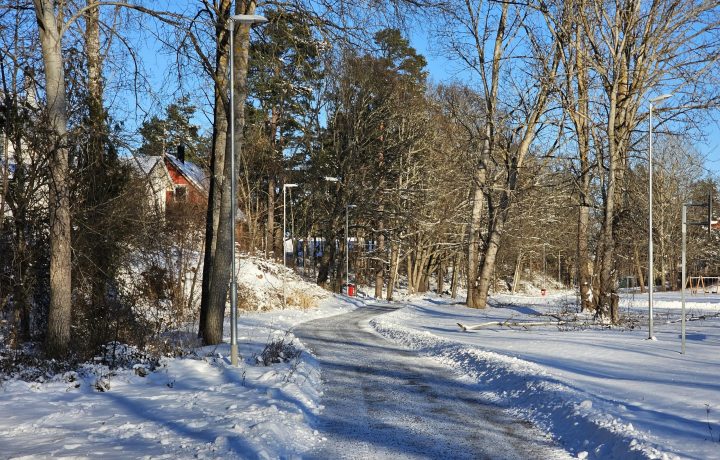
[262,285]
[601,393]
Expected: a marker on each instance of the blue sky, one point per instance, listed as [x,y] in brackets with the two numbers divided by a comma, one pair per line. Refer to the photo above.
[440,68]
[443,69]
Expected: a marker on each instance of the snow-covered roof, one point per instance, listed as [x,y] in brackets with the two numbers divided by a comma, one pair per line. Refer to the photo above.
[192,172]
[144,163]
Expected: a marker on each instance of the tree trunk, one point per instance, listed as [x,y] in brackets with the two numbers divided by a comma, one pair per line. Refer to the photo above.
[488,261]
[440,277]
[608,281]
[409,267]
[380,258]
[638,268]
[663,256]
[394,266]
[455,276]
[580,115]
[218,181]
[212,332]
[473,262]
[60,311]
[475,298]
[327,260]
[516,275]
[270,235]
[99,185]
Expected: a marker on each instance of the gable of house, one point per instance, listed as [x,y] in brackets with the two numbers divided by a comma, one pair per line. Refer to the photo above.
[156,177]
[189,181]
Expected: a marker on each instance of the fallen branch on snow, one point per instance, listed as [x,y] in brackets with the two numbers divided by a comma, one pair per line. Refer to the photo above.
[508,323]
[695,318]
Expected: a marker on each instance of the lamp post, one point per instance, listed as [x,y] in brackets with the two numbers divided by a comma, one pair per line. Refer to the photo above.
[247,19]
[285,187]
[347,247]
[651,278]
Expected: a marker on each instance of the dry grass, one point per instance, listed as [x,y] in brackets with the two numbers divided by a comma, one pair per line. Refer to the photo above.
[301,299]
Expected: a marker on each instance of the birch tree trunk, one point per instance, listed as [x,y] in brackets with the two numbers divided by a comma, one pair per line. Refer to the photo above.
[474,240]
[60,311]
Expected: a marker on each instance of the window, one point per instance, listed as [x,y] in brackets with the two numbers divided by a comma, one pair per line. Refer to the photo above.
[180,193]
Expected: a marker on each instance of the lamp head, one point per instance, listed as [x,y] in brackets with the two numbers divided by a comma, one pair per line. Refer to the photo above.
[332,179]
[290,185]
[661,98]
[248,19]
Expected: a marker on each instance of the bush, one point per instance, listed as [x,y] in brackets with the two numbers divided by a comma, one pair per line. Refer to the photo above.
[278,350]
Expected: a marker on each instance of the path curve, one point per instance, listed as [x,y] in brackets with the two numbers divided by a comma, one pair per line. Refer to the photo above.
[383,401]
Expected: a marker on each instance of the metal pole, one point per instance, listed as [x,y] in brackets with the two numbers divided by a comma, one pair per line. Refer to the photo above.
[651,280]
[559,281]
[233,205]
[683,275]
[284,225]
[284,253]
[347,251]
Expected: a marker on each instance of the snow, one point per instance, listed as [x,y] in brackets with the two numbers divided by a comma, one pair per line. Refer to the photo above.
[601,393]
[197,406]
[144,163]
[192,172]
[263,285]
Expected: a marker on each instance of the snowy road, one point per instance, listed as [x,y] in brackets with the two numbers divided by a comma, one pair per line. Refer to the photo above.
[382,401]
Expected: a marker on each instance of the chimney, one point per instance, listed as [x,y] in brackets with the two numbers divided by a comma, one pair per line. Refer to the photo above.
[181,153]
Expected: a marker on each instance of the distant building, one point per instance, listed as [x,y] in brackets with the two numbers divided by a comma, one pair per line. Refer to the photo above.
[157,180]
[171,181]
[190,183]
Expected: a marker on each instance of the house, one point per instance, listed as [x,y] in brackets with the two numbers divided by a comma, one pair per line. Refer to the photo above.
[157,179]
[171,180]
[190,183]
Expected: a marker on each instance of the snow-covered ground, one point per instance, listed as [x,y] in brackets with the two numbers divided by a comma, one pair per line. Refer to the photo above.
[193,407]
[198,406]
[602,393]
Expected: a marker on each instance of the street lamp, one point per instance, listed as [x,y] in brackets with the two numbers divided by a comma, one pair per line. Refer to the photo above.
[247,19]
[347,247]
[285,187]
[651,280]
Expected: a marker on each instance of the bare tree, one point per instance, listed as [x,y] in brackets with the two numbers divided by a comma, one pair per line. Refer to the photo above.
[636,49]
[513,113]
